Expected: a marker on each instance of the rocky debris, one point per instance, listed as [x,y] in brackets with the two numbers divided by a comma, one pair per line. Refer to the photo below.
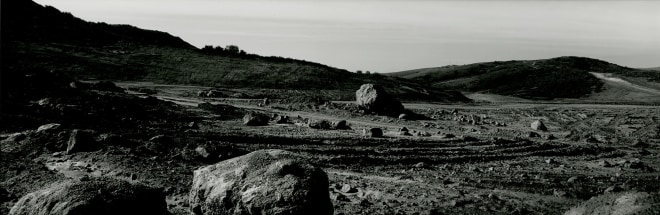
[266,102]
[403,116]
[445,135]
[533,135]
[422,165]
[281,119]
[255,119]
[340,125]
[347,188]
[559,193]
[15,137]
[48,127]
[193,125]
[538,126]
[604,163]
[213,93]
[573,179]
[469,138]
[80,141]
[634,164]
[423,134]
[375,99]
[94,196]
[613,189]
[372,132]
[621,203]
[550,161]
[319,124]
[262,182]
[403,129]
[201,93]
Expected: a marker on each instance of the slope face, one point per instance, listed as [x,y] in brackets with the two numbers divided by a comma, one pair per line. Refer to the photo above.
[563,77]
[35,36]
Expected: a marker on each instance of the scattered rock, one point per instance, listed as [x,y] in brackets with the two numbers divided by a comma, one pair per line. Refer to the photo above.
[15,137]
[559,193]
[622,203]
[340,125]
[538,126]
[423,134]
[94,196]
[255,119]
[375,99]
[550,161]
[373,132]
[80,141]
[421,165]
[347,188]
[281,119]
[469,138]
[48,127]
[319,124]
[266,182]
[533,134]
[214,93]
[613,189]
[446,135]
[573,179]
[604,163]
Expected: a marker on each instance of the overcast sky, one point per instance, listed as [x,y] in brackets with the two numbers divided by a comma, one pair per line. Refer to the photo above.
[390,35]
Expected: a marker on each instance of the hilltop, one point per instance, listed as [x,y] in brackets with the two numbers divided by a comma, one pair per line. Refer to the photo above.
[36,36]
[562,77]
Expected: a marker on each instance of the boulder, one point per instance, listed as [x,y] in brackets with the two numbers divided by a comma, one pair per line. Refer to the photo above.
[373,132]
[272,182]
[281,119]
[621,203]
[95,196]
[48,127]
[255,119]
[319,124]
[375,99]
[214,93]
[80,141]
[538,126]
[340,125]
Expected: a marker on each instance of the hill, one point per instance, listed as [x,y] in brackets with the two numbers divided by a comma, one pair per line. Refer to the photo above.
[562,77]
[42,37]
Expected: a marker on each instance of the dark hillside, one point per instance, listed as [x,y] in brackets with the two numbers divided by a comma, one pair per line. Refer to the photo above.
[42,37]
[562,77]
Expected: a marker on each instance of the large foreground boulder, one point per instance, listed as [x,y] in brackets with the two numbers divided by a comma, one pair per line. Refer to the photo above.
[273,182]
[96,196]
[627,203]
[375,99]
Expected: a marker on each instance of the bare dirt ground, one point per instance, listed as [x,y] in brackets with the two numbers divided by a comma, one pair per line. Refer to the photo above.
[465,159]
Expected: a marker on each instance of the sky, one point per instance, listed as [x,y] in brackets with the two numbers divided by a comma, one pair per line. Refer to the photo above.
[395,35]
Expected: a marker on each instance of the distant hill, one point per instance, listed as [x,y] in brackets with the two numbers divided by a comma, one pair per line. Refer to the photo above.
[562,77]
[35,36]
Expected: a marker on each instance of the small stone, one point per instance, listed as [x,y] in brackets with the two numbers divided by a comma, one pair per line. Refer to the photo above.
[550,161]
[346,188]
[572,179]
[613,189]
[48,127]
[604,163]
[421,165]
[133,176]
